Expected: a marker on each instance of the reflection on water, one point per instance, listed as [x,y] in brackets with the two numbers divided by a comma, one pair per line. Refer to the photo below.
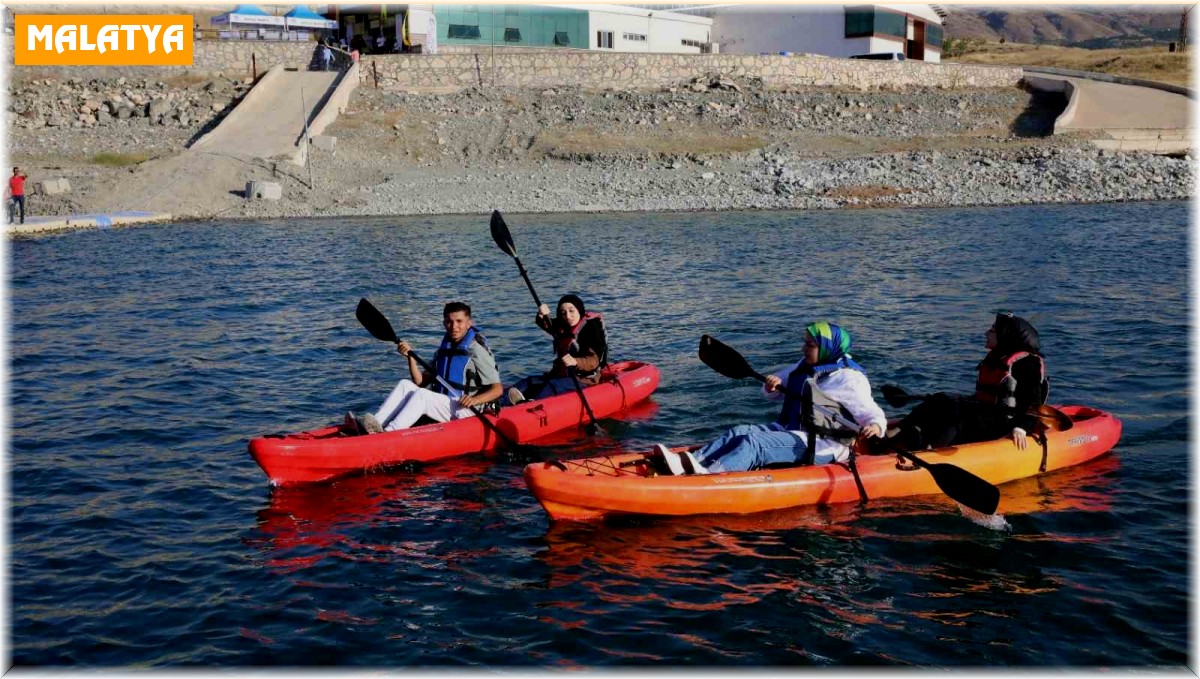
[143,535]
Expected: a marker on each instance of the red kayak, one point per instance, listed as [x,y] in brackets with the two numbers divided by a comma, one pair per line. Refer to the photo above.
[329,452]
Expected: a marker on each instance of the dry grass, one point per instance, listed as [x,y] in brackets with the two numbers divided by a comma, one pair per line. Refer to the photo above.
[370,120]
[661,142]
[872,193]
[119,159]
[185,80]
[1147,63]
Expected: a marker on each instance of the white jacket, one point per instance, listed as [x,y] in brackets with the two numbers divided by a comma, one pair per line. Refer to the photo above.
[848,387]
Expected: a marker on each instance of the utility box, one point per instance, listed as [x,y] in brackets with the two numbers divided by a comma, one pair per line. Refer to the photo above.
[54,187]
[263,191]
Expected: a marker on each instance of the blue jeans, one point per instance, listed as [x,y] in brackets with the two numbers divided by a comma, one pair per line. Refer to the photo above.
[751,446]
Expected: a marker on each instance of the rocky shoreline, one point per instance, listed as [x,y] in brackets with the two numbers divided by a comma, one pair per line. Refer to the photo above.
[714,145]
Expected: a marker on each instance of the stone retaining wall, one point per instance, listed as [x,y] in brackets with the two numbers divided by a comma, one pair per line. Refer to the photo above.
[211,58]
[599,70]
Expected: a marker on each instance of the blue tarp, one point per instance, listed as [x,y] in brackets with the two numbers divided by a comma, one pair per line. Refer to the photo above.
[302,12]
[252,10]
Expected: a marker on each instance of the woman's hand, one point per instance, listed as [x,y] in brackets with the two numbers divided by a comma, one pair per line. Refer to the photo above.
[569,361]
[772,383]
[403,348]
[1018,438]
[870,431]
[544,310]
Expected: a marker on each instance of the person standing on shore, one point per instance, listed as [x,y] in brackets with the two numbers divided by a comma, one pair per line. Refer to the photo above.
[16,192]
[326,57]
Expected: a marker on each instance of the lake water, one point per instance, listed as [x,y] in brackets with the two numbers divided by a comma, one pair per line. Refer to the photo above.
[143,359]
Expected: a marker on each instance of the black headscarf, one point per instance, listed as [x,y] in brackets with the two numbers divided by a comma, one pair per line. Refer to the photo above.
[572,300]
[1013,334]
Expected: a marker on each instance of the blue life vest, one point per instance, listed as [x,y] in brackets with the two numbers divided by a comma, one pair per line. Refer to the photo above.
[797,409]
[450,362]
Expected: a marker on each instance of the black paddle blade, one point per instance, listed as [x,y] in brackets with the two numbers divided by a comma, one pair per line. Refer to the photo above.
[965,488]
[501,235]
[724,359]
[895,396]
[374,321]
[1053,418]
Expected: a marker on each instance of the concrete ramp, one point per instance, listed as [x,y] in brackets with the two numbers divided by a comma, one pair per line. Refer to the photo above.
[269,121]
[1122,115]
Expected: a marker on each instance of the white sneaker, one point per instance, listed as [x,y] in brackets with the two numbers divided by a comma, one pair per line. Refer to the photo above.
[515,396]
[370,424]
[674,463]
[693,465]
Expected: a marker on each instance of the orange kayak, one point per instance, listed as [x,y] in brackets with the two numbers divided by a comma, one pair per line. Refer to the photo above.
[593,488]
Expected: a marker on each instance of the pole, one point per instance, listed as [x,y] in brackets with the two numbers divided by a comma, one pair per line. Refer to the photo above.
[253,67]
[375,72]
[307,139]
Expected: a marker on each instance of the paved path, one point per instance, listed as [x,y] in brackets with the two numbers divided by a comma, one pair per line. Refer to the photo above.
[1125,117]
[270,120]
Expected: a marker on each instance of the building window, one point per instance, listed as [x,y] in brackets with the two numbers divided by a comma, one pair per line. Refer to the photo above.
[692,43]
[512,35]
[860,21]
[866,21]
[634,37]
[463,32]
[933,35]
[604,40]
[562,39]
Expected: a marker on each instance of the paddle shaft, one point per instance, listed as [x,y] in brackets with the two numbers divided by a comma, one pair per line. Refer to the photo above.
[528,283]
[503,238]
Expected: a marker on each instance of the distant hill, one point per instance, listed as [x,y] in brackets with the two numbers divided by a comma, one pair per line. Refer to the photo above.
[1096,26]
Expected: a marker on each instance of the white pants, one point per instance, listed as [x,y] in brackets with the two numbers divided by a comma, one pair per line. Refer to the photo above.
[408,402]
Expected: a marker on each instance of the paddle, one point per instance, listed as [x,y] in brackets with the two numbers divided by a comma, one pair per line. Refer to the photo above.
[503,238]
[377,324]
[959,484]
[1053,418]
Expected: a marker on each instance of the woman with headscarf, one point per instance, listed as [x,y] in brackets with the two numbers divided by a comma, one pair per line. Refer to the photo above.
[826,380]
[1011,381]
[580,345]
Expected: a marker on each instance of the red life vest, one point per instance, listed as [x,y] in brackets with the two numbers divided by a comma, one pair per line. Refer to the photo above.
[565,341]
[997,384]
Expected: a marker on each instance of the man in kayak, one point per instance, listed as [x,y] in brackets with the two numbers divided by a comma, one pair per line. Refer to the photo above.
[825,381]
[466,376]
[1011,381]
[580,343]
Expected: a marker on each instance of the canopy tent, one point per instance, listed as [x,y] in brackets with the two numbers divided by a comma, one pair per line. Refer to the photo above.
[247,14]
[303,17]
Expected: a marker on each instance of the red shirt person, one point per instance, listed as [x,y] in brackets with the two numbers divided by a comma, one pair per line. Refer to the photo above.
[16,192]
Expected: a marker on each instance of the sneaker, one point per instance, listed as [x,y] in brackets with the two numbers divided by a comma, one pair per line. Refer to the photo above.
[674,463]
[369,423]
[691,464]
[351,425]
[515,397]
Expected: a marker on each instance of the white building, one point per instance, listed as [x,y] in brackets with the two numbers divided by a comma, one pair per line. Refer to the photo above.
[833,30]
[621,28]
